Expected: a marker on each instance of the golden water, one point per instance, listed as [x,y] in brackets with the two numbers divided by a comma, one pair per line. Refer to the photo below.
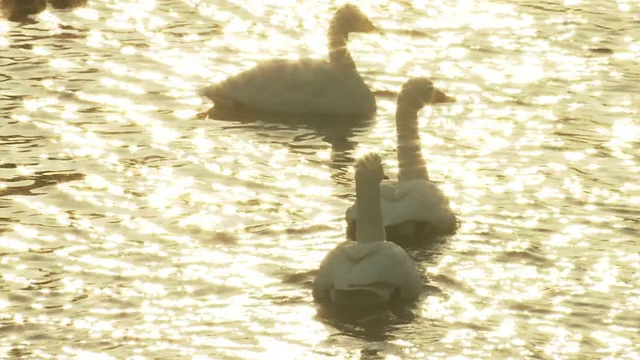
[131,226]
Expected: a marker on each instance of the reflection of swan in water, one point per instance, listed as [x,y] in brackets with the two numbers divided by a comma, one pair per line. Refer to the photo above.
[370,272]
[310,132]
[19,10]
[413,207]
[306,86]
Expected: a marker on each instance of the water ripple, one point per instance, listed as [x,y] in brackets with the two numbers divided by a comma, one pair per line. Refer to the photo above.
[132,224]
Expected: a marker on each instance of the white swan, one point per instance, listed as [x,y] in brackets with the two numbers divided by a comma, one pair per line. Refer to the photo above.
[307,86]
[369,271]
[413,206]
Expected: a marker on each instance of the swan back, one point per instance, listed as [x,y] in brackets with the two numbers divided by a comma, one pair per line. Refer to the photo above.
[417,200]
[354,273]
[369,271]
[415,94]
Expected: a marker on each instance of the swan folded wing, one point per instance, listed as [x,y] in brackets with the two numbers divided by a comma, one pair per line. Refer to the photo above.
[302,86]
[418,200]
[380,269]
[388,189]
[330,265]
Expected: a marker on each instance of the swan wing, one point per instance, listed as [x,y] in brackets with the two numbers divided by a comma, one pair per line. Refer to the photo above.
[329,267]
[418,200]
[388,190]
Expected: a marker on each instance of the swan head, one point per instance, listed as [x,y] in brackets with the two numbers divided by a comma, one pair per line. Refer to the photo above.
[418,92]
[370,167]
[349,18]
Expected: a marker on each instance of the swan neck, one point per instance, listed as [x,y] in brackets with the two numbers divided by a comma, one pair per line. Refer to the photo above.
[369,225]
[411,163]
[338,52]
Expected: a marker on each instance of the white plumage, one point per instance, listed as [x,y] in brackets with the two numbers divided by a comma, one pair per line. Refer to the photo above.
[412,204]
[307,86]
[416,200]
[369,271]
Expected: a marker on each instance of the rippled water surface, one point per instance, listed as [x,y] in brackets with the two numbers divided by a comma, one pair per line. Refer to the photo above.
[133,226]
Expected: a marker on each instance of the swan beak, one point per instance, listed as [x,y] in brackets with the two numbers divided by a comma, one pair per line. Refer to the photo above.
[440,97]
[376,30]
[370,28]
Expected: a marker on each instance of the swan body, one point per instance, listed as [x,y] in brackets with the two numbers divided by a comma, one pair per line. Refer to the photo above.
[413,206]
[306,86]
[370,271]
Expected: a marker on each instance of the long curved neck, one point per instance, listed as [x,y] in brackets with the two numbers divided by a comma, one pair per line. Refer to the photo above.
[410,161]
[338,53]
[369,225]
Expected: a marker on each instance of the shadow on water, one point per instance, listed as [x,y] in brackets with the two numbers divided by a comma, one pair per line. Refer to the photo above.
[336,130]
[372,324]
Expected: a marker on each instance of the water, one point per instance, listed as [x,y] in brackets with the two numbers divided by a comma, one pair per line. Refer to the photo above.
[131,226]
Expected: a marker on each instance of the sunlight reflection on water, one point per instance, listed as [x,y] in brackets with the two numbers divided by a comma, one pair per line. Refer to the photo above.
[134,226]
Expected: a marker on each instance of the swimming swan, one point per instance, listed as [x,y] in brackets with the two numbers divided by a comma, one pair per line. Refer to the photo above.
[306,86]
[369,271]
[413,206]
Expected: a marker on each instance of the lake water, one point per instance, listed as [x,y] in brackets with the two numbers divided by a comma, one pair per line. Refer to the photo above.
[133,226]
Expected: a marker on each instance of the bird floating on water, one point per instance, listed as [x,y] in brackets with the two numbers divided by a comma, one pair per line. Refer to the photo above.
[413,208]
[306,86]
[370,272]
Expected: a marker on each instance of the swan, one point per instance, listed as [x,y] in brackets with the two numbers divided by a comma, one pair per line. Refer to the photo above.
[306,86]
[413,207]
[18,10]
[371,271]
